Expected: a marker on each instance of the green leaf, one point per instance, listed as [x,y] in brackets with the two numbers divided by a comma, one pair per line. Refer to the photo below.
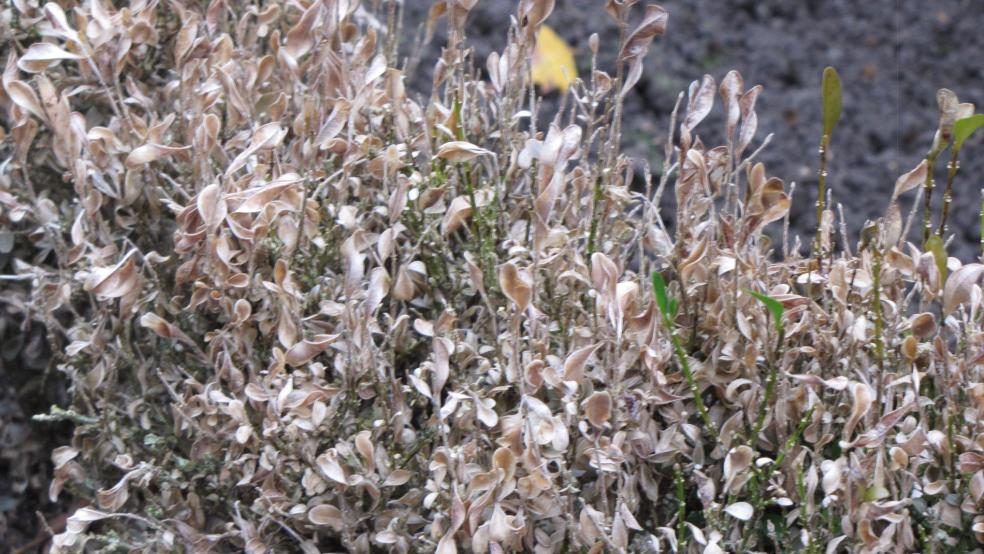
[936,246]
[774,306]
[659,288]
[831,92]
[965,127]
[674,305]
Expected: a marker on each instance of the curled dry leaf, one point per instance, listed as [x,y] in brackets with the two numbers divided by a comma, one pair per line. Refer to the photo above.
[458,212]
[458,151]
[447,545]
[483,408]
[143,155]
[404,288]
[634,49]
[114,498]
[186,36]
[838,383]
[775,203]
[242,310]
[740,510]
[834,543]
[516,284]
[534,12]
[302,37]
[379,287]
[598,408]
[334,123]
[212,206]
[700,102]
[861,399]
[59,22]
[115,281]
[910,348]
[959,286]
[88,515]
[258,198]
[162,328]
[443,348]
[331,468]
[363,443]
[949,107]
[327,514]
[76,525]
[575,362]
[502,527]
[732,87]
[749,121]
[43,55]
[265,137]
[737,461]
[304,351]
[24,96]
[910,180]
[891,227]
[62,455]
[923,325]
[397,477]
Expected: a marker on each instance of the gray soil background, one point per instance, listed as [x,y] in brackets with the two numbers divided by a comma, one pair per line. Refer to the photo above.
[892,56]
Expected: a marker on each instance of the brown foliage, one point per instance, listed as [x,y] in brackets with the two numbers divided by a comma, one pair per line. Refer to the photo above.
[310,312]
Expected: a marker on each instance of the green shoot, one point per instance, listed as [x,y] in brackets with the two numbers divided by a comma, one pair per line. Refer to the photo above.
[830,89]
[962,129]
[775,308]
[667,310]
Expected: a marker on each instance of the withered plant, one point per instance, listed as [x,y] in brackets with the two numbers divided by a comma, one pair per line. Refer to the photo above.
[303,308]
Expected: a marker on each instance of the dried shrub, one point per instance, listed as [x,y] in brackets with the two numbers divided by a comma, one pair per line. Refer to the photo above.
[311,312]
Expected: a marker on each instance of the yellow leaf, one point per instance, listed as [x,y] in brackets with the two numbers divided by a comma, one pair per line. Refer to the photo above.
[553,62]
